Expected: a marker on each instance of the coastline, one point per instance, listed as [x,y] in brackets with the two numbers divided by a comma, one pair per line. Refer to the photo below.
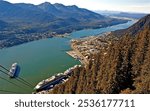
[75,35]
[46,35]
[48,84]
[76,54]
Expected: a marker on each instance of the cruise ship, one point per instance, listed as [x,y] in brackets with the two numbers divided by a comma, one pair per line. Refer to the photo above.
[54,80]
[13,70]
[50,82]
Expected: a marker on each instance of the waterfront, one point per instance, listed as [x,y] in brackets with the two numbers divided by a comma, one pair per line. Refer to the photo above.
[41,59]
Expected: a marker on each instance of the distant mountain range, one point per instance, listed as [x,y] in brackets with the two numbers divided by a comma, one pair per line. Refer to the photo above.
[122,14]
[22,22]
[46,13]
[134,29]
[131,15]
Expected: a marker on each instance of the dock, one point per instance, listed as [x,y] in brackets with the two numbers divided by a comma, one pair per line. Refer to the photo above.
[75,53]
[50,83]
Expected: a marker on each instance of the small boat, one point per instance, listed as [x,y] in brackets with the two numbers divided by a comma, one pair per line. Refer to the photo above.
[13,70]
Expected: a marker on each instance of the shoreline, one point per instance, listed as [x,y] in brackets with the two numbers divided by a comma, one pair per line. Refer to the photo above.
[77,54]
[53,34]
[63,50]
[51,82]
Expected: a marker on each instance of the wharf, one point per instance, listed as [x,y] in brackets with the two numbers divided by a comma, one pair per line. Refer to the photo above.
[50,83]
[77,56]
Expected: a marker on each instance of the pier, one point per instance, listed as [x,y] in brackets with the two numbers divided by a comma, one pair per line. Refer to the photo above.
[50,83]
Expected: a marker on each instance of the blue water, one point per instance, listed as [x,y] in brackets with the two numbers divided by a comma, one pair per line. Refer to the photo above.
[40,59]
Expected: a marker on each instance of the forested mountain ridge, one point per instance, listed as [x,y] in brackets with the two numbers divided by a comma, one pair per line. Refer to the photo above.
[3,24]
[28,22]
[130,15]
[62,11]
[122,67]
[16,14]
[47,13]
[136,28]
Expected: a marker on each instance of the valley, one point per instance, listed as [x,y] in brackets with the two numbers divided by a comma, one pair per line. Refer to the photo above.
[22,23]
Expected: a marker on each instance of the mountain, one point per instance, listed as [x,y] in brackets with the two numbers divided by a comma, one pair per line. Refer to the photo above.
[22,13]
[71,12]
[130,15]
[80,14]
[3,24]
[31,22]
[107,12]
[47,12]
[136,28]
[121,14]
[122,67]
[44,12]
[49,8]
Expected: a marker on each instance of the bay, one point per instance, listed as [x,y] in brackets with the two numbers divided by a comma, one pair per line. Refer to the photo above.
[43,58]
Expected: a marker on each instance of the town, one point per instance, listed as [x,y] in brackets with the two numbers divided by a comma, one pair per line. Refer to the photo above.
[83,48]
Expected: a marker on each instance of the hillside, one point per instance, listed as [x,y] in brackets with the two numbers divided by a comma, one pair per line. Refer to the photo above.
[121,14]
[17,14]
[122,67]
[130,15]
[134,29]
[31,22]
[3,24]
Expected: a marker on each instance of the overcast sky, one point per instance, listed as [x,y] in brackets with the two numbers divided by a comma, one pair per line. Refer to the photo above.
[113,5]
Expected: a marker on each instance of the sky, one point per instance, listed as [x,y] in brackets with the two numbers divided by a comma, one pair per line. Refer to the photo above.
[112,5]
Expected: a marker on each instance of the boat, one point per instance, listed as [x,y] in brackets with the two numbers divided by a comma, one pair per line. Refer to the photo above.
[55,80]
[50,82]
[13,70]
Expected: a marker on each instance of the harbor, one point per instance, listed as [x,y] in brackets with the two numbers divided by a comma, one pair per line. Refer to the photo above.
[82,49]
[48,84]
[44,58]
